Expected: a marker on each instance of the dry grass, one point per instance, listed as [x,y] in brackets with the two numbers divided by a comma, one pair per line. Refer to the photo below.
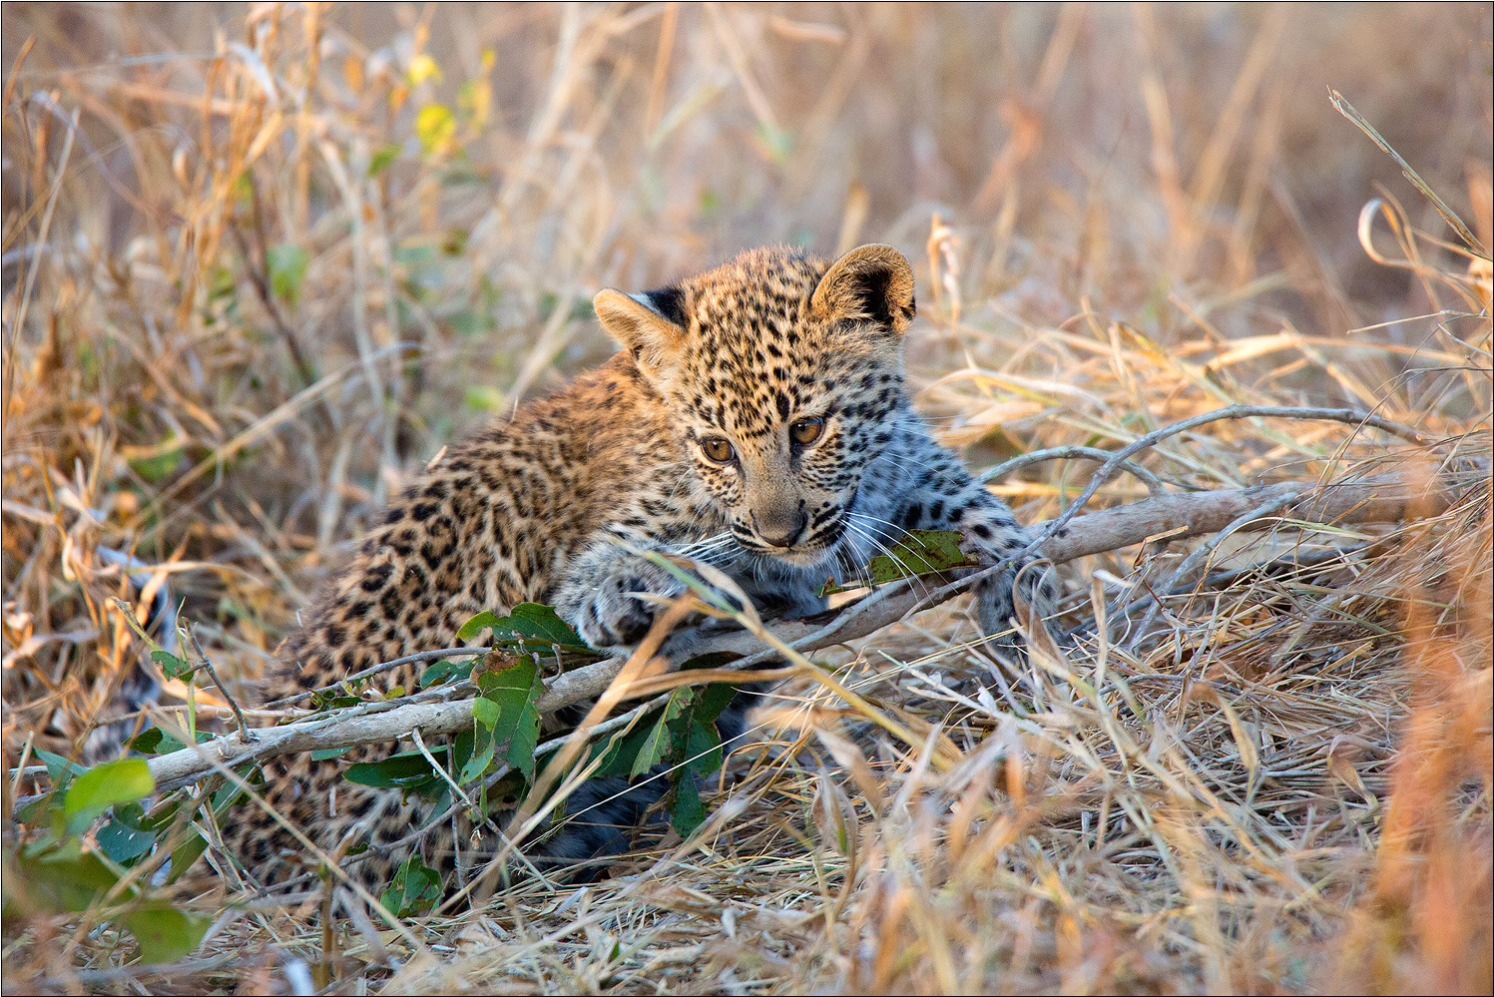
[1279,781]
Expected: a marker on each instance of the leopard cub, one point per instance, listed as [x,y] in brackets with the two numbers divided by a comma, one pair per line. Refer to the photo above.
[757,419]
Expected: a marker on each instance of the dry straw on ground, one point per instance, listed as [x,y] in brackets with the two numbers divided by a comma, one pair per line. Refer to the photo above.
[260,264]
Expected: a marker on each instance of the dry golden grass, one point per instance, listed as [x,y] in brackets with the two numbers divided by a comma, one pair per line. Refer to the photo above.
[1275,780]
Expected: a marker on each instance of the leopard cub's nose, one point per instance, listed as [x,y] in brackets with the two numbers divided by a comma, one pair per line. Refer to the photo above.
[782,531]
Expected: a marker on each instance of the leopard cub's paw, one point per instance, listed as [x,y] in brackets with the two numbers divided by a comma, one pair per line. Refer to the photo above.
[1036,581]
[615,617]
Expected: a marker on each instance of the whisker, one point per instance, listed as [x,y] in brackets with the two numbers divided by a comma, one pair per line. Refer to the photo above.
[884,534]
[863,532]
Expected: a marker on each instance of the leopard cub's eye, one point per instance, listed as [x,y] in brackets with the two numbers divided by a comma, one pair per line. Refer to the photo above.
[807,431]
[717,449]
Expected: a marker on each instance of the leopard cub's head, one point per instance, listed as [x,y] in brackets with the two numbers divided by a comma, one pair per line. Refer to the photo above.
[783,376]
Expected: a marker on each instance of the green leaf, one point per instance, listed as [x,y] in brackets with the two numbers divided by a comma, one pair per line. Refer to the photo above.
[332,699]
[65,881]
[525,739]
[133,816]
[482,621]
[528,624]
[711,700]
[515,691]
[619,752]
[416,889]
[698,743]
[156,741]
[484,750]
[919,552]
[156,468]
[59,768]
[484,398]
[287,265]
[38,811]
[160,818]
[171,666]
[185,855]
[327,754]
[474,751]
[164,933]
[658,745]
[124,844]
[102,787]
[383,159]
[687,812]
[448,670]
[486,712]
[531,623]
[409,770]
[229,794]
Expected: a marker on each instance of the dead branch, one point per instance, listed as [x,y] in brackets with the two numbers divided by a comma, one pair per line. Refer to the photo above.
[447,710]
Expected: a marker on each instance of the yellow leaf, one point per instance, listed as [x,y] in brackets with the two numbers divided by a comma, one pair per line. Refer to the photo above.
[423,68]
[437,128]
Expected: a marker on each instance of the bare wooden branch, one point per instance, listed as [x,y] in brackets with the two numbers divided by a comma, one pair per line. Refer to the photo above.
[447,710]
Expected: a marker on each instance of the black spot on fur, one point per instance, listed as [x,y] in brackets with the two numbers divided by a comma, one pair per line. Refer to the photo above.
[376,577]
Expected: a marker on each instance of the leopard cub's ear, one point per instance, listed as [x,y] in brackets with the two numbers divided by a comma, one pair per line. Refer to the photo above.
[650,326]
[869,284]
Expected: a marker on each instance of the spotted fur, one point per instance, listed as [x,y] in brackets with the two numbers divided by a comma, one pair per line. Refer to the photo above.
[759,354]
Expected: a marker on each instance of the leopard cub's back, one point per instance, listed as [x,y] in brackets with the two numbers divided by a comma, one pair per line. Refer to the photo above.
[482,529]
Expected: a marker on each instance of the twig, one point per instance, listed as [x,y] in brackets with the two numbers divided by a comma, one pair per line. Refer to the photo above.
[1058,528]
[1050,536]
[409,659]
[1304,561]
[258,271]
[1153,483]
[431,711]
[1207,549]
[238,714]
